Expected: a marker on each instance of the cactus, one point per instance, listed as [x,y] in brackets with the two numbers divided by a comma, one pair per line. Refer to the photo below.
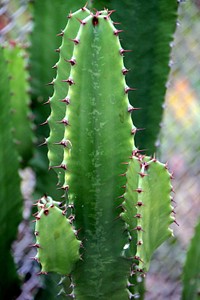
[119,199]
[152,25]
[191,271]
[20,100]
[10,196]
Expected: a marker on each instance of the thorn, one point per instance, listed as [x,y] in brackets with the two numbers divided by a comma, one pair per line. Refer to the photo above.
[125,163]
[63,121]
[138,216]
[85,6]
[57,50]
[176,222]
[131,108]
[62,166]
[123,174]
[139,243]
[70,15]
[63,143]
[44,123]
[122,51]
[66,100]
[134,130]
[117,31]
[55,66]
[35,245]
[75,41]
[138,228]
[64,187]
[139,203]
[137,258]
[69,80]
[81,21]
[71,61]
[117,23]
[138,190]
[110,13]
[44,143]
[119,197]
[142,174]
[127,89]
[51,83]
[61,33]
[125,71]
[42,273]
[34,258]
[47,102]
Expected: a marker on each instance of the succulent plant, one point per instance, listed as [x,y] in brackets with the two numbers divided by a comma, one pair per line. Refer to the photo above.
[117,199]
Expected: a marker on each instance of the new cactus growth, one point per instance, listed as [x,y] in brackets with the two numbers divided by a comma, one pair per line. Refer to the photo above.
[120,199]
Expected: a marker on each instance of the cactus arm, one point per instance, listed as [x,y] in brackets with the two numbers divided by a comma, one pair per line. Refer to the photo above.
[58,101]
[58,248]
[150,41]
[154,219]
[20,100]
[100,134]
[10,196]
[191,270]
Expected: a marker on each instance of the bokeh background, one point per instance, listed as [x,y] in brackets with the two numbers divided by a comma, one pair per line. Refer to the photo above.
[178,144]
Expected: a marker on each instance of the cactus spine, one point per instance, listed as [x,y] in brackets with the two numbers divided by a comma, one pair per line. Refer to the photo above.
[108,183]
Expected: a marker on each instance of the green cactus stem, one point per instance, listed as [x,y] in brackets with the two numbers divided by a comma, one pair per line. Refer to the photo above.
[10,196]
[20,100]
[58,249]
[191,271]
[104,172]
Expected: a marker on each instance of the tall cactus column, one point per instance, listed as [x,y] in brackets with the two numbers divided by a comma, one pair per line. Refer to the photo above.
[117,199]
[99,132]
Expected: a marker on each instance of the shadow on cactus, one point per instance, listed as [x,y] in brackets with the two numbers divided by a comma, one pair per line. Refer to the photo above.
[117,199]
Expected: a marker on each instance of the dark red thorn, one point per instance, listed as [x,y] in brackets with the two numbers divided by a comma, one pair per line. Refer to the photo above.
[176,222]
[35,214]
[120,206]
[128,89]
[35,245]
[142,174]
[64,121]
[172,190]
[46,212]
[69,80]
[120,197]
[51,83]
[137,258]
[138,228]
[138,190]
[122,51]
[71,61]
[36,233]
[75,41]
[85,6]
[63,143]
[173,212]
[139,243]
[117,23]
[172,199]
[66,100]
[125,71]
[131,108]
[117,31]
[138,216]
[57,50]
[61,33]
[123,186]
[81,21]
[44,143]
[44,123]
[47,102]
[110,12]
[42,273]
[139,203]
[62,166]
[65,188]
[55,66]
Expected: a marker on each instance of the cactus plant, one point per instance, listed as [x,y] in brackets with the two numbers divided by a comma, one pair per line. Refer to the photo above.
[119,199]
[20,100]
[191,271]
[10,196]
